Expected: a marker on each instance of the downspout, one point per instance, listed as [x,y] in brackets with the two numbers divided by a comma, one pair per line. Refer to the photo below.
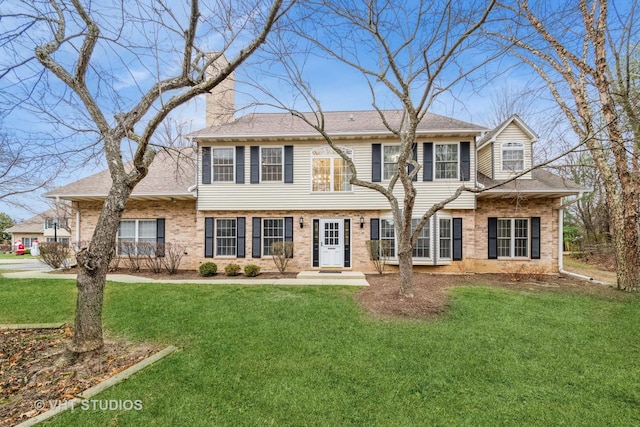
[195,185]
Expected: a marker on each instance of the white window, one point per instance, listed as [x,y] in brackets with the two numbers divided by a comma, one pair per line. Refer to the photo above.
[271,164]
[388,237]
[28,241]
[50,223]
[272,232]
[136,236]
[513,238]
[226,237]
[222,164]
[445,234]
[390,156]
[512,156]
[329,171]
[446,160]
[422,248]
[63,240]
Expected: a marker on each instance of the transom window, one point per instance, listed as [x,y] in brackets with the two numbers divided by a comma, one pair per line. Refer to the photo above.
[329,171]
[513,238]
[271,169]
[272,232]
[512,156]
[222,164]
[422,248]
[226,237]
[446,160]
[136,236]
[444,228]
[390,161]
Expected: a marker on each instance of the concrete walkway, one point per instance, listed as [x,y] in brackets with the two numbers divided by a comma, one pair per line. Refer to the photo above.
[344,278]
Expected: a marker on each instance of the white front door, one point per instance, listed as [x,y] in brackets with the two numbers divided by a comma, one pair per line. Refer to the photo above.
[331,243]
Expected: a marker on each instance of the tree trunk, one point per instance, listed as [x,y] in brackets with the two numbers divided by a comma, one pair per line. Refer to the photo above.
[405,263]
[93,265]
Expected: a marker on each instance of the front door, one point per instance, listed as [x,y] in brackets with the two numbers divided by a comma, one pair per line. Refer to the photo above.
[331,243]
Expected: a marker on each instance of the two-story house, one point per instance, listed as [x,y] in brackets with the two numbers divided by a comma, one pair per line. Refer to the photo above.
[267,177]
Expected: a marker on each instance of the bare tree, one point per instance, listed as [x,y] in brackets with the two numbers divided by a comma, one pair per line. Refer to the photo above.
[22,169]
[125,68]
[408,54]
[584,52]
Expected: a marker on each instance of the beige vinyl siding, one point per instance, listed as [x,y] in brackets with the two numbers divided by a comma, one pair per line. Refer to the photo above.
[484,160]
[511,133]
[298,195]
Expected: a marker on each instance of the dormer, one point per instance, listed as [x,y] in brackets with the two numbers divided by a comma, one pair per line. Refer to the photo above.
[507,150]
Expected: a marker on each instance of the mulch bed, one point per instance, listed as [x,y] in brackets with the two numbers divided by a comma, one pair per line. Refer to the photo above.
[32,375]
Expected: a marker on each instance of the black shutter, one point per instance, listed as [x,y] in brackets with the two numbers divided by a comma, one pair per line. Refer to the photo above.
[493,238]
[457,239]
[240,236]
[288,230]
[375,229]
[288,164]
[208,237]
[239,164]
[427,161]
[206,165]
[347,242]
[376,162]
[465,161]
[255,234]
[316,243]
[160,237]
[254,154]
[415,157]
[535,237]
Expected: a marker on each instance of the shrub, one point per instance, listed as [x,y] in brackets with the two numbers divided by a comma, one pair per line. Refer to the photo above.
[54,254]
[251,270]
[282,252]
[378,253]
[232,269]
[153,254]
[173,253]
[208,269]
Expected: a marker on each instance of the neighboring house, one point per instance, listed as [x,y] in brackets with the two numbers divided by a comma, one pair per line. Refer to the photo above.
[42,227]
[268,177]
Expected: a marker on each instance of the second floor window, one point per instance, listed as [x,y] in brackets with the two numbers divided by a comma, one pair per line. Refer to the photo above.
[390,161]
[446,161]
[271,164]
[329,171]
[512,156]
[222,164]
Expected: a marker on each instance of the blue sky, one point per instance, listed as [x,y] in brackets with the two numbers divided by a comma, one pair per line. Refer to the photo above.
[120,82]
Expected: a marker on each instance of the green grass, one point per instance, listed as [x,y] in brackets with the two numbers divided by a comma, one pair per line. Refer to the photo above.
[253,356]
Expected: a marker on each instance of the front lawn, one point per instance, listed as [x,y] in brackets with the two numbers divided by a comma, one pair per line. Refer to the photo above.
[257,355]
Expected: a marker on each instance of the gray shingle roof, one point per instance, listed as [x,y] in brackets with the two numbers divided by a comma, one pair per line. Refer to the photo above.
[542,182]
[170,175]
[257,125]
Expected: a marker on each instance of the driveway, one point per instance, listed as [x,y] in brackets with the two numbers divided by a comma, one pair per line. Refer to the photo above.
[24,263]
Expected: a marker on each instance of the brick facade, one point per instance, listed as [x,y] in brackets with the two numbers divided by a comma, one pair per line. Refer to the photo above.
[185,225]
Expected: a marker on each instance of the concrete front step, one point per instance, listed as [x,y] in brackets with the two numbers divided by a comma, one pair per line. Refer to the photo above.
[331,275]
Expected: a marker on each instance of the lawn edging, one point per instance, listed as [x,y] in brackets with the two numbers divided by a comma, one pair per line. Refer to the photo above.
[98,388]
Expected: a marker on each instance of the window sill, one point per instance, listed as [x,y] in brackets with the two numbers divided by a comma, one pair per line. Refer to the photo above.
[421,261]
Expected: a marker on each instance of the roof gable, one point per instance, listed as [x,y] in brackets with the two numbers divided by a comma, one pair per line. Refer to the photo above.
[492,135]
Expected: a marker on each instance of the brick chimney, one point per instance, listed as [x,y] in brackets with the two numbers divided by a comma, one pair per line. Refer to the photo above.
[221,101]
